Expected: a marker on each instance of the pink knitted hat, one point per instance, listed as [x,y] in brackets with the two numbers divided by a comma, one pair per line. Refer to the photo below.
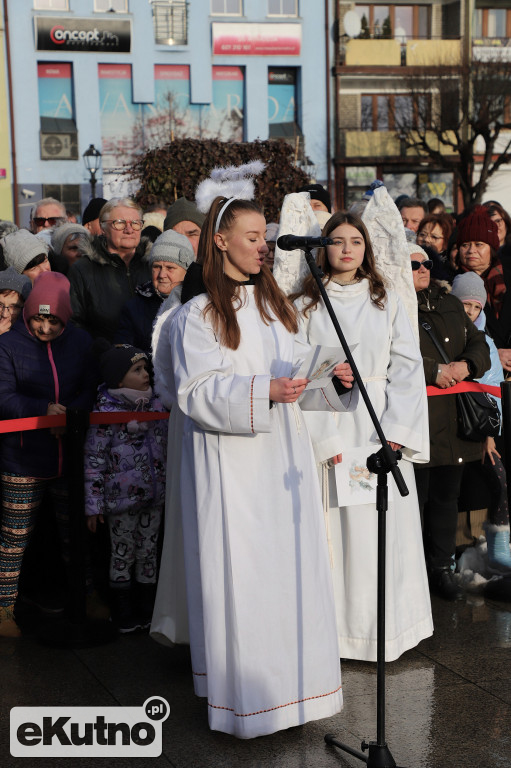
[49,296]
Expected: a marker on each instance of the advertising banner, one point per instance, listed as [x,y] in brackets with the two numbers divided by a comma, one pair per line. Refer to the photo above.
[55,85]
[121,124]
[238,39]
[127,129]
[86,35]
[281,95]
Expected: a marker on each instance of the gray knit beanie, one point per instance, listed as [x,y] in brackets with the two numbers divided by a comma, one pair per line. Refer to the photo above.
[183,210]
[20,248]
[469,287]
[60,235]
[10,280]
[6,227]
[171,246]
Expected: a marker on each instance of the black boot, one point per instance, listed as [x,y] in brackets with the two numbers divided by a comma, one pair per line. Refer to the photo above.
[442,583]
[145,595]
[123,615]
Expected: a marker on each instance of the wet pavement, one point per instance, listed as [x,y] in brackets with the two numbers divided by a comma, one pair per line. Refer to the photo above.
[448,701]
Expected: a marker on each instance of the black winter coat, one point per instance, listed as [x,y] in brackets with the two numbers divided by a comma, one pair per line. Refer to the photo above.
[101,284]
[461,341]
[137,318]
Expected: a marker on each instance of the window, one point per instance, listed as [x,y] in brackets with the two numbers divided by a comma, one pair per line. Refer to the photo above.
[393,112]
[170,22]
[51,5]
[226,7]
[104,6]
[401,22]
[69,194]
[375,113]
[492,22]
[282,7]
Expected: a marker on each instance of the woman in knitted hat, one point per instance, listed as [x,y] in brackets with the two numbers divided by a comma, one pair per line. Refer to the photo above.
[45,368]
[169,258]
[27,253]
[66,246]
[469,289]
[14,289]
[125,482]
[478,243]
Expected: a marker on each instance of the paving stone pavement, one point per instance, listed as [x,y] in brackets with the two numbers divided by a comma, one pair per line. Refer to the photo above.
[448,702]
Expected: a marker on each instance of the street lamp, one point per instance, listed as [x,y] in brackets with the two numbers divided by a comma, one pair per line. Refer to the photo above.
[92,160]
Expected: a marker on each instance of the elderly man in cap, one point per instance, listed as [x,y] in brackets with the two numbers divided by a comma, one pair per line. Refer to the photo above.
[185,218]
[170,257]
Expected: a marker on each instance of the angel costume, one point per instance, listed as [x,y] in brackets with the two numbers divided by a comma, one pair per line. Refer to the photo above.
[390,364]
[260,602]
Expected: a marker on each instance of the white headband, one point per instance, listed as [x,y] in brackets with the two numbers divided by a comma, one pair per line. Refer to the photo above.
[221,212]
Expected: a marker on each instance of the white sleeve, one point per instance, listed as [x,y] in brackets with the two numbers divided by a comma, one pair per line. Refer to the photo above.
[405,420]
[208,389]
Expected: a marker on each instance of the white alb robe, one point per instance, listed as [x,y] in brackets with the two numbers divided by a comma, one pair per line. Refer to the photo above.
[390,364]
[261,611]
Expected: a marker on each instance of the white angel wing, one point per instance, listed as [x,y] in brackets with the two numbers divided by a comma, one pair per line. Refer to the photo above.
[387,234]
[296,218]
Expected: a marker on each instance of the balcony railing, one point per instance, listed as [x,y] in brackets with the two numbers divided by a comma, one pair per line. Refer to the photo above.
[170,22]
[393,53]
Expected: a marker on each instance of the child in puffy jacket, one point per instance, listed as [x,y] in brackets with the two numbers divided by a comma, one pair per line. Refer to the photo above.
[125,483]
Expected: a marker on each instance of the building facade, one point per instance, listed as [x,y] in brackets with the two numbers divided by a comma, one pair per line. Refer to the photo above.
[392,63]
[126,75]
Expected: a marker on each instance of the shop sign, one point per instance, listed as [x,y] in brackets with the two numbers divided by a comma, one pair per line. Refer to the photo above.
[83,35]
[238,39]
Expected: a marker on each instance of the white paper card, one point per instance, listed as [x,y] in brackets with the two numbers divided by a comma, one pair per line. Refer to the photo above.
[355,484]
[319,364]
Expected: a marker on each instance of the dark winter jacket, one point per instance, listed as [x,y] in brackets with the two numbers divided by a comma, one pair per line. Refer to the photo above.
[461,341]
[33,374]
[137,318]
[124,463]
[101,284]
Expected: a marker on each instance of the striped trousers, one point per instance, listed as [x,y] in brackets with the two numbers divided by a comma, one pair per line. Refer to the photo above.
[21,499]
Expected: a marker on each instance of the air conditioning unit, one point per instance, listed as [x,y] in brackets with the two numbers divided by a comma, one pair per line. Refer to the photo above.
[59,146]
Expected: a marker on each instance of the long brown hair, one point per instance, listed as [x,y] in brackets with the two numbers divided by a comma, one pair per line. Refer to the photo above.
[223,291]
[366,270]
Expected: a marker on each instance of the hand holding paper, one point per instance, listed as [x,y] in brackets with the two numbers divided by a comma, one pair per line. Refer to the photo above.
[321,364]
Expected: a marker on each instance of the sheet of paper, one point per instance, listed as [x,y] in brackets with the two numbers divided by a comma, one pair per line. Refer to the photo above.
[319,364]
[355,484]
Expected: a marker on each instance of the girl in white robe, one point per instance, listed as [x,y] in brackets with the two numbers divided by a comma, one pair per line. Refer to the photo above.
[390,365]
[260,601]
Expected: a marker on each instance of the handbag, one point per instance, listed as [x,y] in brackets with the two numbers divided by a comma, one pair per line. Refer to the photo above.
[478,414]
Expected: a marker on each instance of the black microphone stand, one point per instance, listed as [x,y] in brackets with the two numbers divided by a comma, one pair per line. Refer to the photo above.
[380,463]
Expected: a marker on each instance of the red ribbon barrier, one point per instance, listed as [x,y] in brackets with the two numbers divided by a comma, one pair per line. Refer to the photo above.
[464,386]
[43,422]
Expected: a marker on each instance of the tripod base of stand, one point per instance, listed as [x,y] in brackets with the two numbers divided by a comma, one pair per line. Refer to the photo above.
[379,754]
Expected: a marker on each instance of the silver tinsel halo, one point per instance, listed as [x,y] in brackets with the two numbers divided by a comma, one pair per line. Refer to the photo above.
[231,182]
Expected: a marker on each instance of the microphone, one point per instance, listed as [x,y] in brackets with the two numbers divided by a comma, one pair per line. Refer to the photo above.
[290,242]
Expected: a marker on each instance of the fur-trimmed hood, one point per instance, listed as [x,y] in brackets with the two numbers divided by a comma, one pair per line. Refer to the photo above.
[96,250]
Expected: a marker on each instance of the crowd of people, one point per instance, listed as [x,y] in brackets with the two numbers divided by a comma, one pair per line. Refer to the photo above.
[226,522]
